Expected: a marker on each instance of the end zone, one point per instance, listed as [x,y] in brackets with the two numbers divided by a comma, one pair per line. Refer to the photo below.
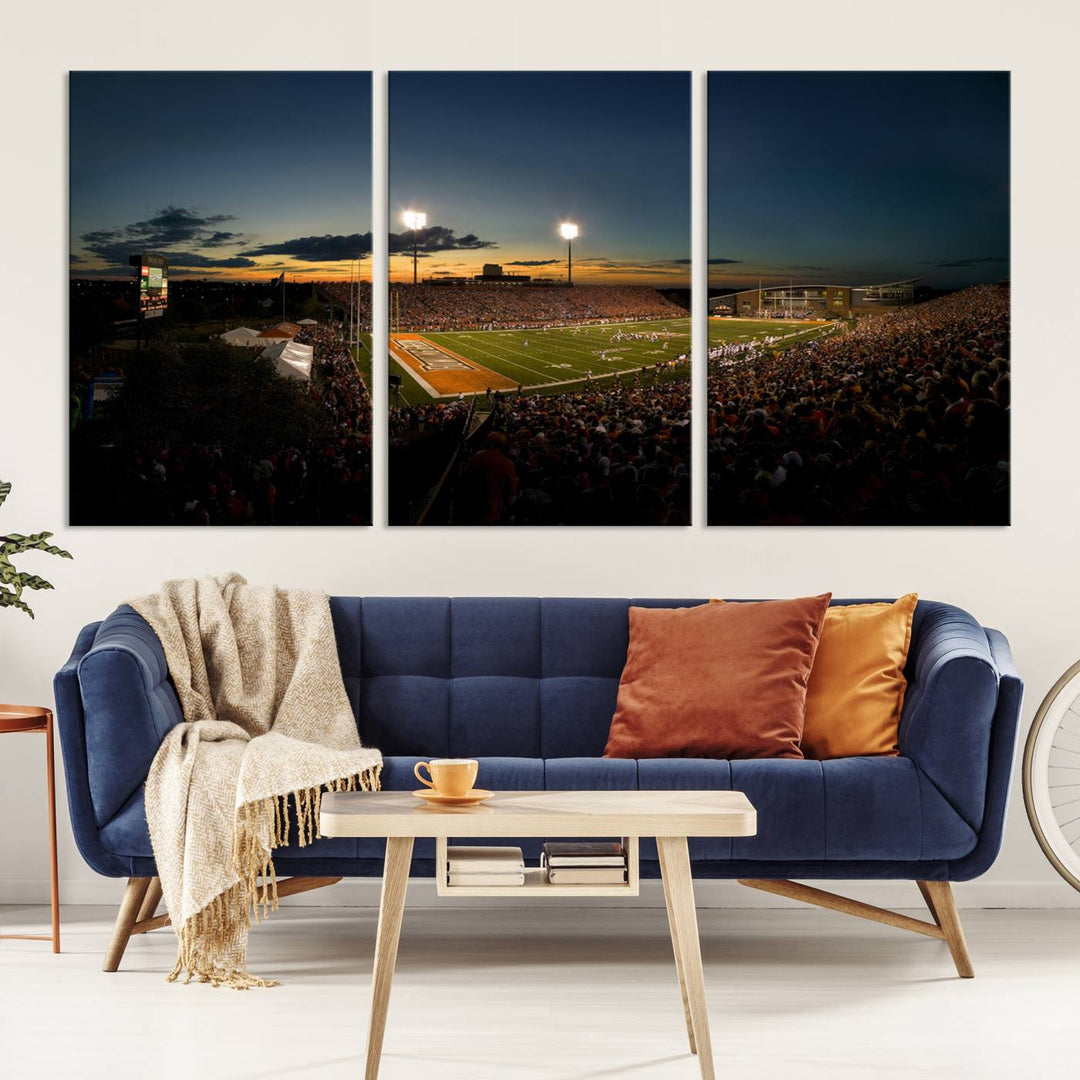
[440,371]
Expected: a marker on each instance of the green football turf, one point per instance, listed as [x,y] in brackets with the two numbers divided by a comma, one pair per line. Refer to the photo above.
[564,355]
[539,358]
[362,359]
[725,330]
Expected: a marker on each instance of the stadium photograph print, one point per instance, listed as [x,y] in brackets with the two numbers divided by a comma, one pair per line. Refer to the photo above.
[858,331]
[539,303]
[220,298]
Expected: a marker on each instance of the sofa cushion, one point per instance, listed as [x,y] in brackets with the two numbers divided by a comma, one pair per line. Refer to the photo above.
[846,810]
[719,680]
[687,774]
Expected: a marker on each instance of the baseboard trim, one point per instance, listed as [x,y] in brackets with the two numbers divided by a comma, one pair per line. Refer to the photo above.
[364,893]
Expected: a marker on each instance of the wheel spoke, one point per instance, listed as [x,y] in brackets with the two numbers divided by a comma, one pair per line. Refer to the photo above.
[1052,776]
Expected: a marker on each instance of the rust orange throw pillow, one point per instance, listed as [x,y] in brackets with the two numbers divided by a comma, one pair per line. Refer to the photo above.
[718,680]
[857,687]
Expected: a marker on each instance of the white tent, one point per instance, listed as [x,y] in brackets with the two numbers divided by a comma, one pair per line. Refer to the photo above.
[241,335]
[290,359]
[308,322]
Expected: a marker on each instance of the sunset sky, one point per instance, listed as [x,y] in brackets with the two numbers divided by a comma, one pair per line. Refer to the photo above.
[498,159]
[858,178]
[240,175]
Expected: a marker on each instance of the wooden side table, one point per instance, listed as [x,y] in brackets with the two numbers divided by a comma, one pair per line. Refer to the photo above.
[34,718]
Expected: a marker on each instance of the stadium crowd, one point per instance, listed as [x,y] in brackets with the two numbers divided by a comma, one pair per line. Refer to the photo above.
[902,420]
[326,481]
[614,454]
[407,421]
[347,294]
[520,307]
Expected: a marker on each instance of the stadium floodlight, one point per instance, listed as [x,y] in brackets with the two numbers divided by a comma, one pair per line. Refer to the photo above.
[414,220]
[568,231]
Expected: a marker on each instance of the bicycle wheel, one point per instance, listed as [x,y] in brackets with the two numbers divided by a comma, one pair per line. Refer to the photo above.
[1052,776]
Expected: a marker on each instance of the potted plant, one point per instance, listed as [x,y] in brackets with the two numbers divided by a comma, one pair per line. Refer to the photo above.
[12,581]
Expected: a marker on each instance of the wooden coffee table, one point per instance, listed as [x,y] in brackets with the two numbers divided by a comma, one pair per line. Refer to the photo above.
[669,816]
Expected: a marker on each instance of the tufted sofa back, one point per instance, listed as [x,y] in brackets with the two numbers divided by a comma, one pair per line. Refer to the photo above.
[483,677]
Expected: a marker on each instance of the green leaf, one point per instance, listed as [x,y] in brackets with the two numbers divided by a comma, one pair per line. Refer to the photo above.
[12,580]
[8,600]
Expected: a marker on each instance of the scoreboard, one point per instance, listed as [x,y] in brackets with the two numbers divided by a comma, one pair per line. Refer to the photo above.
[152,274]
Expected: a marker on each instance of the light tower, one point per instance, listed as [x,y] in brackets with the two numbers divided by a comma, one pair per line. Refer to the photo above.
[414,220]
[568,231]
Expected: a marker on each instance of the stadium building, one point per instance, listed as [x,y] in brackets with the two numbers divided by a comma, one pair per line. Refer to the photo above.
[815,301]
[493,274]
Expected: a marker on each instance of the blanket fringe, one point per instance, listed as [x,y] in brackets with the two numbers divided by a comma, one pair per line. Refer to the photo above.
[212,943]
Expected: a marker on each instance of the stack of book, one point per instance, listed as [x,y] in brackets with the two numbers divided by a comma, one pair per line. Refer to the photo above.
[485,866]
[591,863]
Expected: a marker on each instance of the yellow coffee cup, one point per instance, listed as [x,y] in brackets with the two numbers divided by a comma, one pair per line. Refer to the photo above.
[449,776]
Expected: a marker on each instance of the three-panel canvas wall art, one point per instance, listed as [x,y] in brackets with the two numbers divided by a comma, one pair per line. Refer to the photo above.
[537,358]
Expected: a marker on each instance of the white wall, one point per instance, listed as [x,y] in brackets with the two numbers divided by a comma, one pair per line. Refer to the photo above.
[1021,579]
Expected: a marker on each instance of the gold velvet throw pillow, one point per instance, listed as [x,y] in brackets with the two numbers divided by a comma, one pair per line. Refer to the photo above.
[717,680]
[857,687]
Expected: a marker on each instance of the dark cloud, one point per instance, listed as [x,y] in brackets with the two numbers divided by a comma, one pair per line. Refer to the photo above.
[719,262]
[955,264]
[436,238]
[76,258]
[326,248]
[169,227]
[798,266]
[219,239]
[101,236]
[175,225]
[534,262]
[192,259]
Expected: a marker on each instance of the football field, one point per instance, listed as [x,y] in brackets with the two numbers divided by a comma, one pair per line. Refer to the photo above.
[449,363]
[433,364]
[728,330]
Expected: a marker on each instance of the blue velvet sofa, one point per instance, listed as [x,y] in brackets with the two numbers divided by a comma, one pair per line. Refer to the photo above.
[528,686]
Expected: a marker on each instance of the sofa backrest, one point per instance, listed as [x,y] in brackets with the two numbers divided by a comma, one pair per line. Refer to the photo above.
[520,677]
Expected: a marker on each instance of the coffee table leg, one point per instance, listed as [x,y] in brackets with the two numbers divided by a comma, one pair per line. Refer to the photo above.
[679,888]
[391,908]
[677,950]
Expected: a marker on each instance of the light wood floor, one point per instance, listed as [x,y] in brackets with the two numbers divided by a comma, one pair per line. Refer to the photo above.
[545,993]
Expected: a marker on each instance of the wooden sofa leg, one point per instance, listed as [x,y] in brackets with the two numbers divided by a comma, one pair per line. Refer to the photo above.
[150,902]
[134,894]
[937,894]
[939,899]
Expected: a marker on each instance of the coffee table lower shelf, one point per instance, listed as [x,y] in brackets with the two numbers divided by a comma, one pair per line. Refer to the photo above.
[536,882]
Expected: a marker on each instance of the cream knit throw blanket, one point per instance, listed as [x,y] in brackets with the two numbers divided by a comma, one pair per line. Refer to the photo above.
[267,722]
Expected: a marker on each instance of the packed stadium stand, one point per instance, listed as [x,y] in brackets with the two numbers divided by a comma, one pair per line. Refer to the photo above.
[617,453]
[509,307]
[902,420]
[324,481]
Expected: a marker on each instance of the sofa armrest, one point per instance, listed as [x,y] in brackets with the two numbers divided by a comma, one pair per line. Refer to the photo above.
[950,705]
[1003,742]
[69,726]
[129,705]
